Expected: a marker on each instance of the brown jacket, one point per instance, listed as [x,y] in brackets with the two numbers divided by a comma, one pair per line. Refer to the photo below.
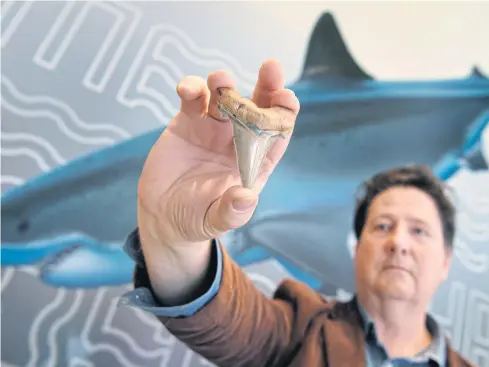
[297,328]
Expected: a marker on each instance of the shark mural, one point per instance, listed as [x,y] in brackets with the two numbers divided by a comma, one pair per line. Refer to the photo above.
[73,220]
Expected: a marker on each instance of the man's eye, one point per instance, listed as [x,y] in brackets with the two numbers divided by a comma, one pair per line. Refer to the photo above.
[382,227]
[420,231]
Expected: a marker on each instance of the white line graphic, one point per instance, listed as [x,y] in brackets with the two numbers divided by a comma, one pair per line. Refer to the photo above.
[454,313]
[87,344]
[87,80]
[53,339]
[151,60]
[6,7]
[6,364]
[12,180]
[107,327]
[478,307]
[160,335]
[34,336]
[59,122]
[44,106]
[10,29]
[159,55]
[190,356]
[119,34]
[481,306]
[78,362]
[13,152]
[474,262]
[38,140]
[9,273]
[32,271]
[475,208]
[38,57]
[472,231]
[209,58]
[116,352]
[7,276]
[477,231]
[143,88]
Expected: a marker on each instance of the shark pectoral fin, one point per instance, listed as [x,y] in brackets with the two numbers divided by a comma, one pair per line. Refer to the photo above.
[251,256]
[88,267]
[448,165]
[300,274]
[473,149]
[473,155]
[327,54]
[258,254]
[35,252]
[475,158]
[19,256]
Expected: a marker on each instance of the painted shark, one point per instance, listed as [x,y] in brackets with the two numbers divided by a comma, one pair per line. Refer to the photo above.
[73,220]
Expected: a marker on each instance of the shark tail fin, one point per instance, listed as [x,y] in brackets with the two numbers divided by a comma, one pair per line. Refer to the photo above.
[327,53]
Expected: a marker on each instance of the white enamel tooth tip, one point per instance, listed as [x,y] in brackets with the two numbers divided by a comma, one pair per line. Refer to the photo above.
[251,149]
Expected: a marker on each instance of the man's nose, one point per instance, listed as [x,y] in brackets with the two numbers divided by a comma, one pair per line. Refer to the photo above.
[398,240]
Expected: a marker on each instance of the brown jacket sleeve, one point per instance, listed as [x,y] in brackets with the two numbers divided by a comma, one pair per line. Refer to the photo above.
[242,327]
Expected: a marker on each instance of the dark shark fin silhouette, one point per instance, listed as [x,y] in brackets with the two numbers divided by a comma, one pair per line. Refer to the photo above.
[327,53]
[477,73]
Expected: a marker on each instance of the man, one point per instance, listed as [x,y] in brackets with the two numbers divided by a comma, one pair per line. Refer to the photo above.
[189,194]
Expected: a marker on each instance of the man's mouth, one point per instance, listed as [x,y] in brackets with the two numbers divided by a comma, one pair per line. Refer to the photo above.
[397,268]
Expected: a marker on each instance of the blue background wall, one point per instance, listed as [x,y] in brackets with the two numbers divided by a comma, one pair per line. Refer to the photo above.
[80,77]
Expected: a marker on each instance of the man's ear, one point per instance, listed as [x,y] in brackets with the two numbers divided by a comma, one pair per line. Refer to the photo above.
[356,248]
[447,261]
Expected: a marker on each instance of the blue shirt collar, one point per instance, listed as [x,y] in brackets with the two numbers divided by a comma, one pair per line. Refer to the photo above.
[435,352]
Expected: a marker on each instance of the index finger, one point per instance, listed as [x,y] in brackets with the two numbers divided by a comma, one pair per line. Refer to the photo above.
[215,81]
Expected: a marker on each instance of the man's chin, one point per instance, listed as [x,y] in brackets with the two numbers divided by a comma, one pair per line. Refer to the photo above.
[396,292]
[397,296]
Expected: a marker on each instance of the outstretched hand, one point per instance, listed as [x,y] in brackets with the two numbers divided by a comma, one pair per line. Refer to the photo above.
[190,190]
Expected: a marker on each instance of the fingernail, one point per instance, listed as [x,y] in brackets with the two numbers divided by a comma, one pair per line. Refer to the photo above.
[243,204]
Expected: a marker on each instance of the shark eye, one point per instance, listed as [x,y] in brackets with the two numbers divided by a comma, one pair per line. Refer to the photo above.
[23,226]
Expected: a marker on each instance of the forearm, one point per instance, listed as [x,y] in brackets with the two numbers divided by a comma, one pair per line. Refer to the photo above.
[206,300]
[238,326]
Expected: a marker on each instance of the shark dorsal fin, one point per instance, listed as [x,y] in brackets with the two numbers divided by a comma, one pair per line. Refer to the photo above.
[327,54]
[477,73]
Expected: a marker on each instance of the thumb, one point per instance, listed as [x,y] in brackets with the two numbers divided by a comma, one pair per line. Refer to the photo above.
[232,210]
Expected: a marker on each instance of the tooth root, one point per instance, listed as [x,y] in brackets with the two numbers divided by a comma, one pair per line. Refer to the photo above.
[251,149]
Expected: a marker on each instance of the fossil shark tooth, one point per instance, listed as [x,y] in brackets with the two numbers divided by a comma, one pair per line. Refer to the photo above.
[251,149]
[253,132]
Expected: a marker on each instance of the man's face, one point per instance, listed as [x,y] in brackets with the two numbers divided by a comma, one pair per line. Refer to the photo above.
[401,254]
